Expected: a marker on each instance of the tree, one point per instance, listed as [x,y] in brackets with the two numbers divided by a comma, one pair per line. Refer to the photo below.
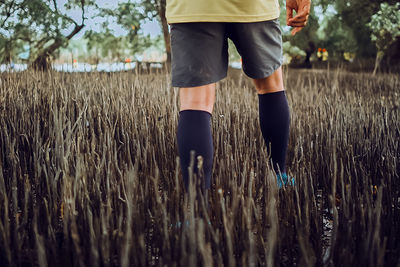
[11,31]
[43,25]
[156,9]
[9,49]
[337,36]
[351,19]
[106,45]
[385,29]
[130,16]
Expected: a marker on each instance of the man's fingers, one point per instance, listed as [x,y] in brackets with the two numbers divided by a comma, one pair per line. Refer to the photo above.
[302,8]
[289,14]
[298,19]
[298,24]
[296,30]
[301,16]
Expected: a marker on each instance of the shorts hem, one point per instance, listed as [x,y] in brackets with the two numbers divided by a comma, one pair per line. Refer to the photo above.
[263,74]
[194,84]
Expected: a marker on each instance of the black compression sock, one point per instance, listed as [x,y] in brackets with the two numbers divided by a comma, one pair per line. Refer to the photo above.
[274,123]
[194,133]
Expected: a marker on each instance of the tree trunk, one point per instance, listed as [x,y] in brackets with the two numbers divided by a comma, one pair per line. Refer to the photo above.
[307,61]
[7,52]
[42,61]
[165,29]
[309,51]
[7,58]
[378,60]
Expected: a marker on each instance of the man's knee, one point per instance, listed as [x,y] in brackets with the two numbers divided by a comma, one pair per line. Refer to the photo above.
[270,84]
[198,98]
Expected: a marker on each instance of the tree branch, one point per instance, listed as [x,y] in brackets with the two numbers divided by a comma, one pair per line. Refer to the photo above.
[41,61]
[77,29]
[83,11]
[9,13]
[55,5]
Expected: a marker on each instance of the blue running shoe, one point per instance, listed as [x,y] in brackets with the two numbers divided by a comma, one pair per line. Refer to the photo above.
[179,224]
[283,179]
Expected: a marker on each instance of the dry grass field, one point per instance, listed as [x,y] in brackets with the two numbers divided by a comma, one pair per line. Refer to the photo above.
[89,174]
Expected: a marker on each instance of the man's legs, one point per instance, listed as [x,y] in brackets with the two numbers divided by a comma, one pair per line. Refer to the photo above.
[194,127]
[194,130]
[260,46]
[274,118]
[199,60]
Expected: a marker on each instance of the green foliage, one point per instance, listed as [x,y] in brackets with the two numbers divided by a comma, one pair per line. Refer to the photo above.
[42,24]
[9,49]
[130,15]
[45,26]
[344,27]
[106,45]
[337,37]
[292,50]
[10,30]
[385,26]
[152,8]
[234,55]
[353,17]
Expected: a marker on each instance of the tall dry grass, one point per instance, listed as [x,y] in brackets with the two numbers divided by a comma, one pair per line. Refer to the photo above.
[89,175]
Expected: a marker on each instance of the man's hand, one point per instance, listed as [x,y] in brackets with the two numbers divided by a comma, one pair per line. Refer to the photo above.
[302,8]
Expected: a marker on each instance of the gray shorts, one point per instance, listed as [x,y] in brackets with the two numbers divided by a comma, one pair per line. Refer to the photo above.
[200,50]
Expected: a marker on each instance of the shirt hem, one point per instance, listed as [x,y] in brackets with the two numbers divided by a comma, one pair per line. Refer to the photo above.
[221,18]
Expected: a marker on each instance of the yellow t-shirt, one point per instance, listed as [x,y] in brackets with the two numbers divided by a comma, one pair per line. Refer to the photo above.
[221,10]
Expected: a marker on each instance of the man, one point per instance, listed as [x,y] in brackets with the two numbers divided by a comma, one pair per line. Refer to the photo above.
[199,32]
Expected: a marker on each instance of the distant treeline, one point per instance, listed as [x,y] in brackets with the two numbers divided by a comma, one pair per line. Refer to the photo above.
[39,31]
